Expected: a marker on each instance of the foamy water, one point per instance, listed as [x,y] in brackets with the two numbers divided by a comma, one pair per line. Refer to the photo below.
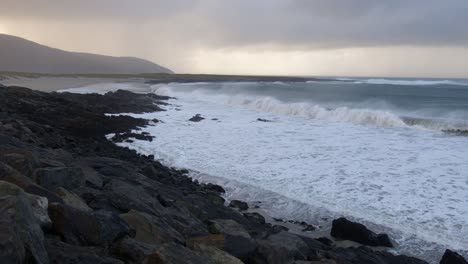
[315,161]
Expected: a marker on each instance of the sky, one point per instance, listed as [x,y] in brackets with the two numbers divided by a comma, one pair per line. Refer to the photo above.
[387,38]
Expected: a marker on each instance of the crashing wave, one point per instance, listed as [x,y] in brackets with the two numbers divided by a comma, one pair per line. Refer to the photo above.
[402,82]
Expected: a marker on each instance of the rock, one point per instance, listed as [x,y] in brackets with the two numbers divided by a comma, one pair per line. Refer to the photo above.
[150,229]
[79,227]
[10,175]
[62,253]
[132,251]
[21,160]
[345,229]
[217,256]
[215,188]
[255,217]
[47,163]
[238,241]
[365,255]
[72,200]
[326,241]
[68,178]
[451,257]
[21,237]
[263,120]
[196,118]
[282,247]
[172,253]
[214,240]
[121,137]
[239,205]
[38,203]
[279,228]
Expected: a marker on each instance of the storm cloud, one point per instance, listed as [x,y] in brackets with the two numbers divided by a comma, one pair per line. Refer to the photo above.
[176,31]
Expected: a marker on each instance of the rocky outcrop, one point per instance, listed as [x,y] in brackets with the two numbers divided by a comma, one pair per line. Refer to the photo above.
[95,202]
[345,229]
[196,118]
[451,257]
[239,205]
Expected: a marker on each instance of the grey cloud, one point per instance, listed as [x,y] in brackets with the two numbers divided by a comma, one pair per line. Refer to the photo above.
[300,24]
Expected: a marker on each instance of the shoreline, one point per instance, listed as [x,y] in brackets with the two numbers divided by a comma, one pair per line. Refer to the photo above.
[66,144]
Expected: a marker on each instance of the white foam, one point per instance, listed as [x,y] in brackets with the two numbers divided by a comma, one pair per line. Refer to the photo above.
[410,181]
[403,82]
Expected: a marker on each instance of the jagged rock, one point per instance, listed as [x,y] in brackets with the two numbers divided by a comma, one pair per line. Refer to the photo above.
[255,217]
[21,237]
[172,253]
[68,178]
[38,203]
[132,251]
[216,256]
[279,228]
[282,247]
[215,188]
[150,229]
[213,240]
[238,241]
[239,205]
[263,120]
[79,227]
[196,118]
[47,163]
[21,160]
[10,175]
[61,253]
[72,200]
[451,257]
[345,229]
[365,255]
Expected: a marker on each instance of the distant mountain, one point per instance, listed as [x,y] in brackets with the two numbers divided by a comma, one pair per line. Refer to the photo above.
[21,55]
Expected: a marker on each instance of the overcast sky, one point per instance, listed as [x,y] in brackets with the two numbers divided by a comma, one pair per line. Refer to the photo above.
[426,38]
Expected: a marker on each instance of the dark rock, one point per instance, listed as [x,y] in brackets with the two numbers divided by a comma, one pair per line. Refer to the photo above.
[61,253]
[282,247]
[365,255]
[238,241]
[132,251]
[79,227]
[21,237]
[263,120]
[326,241]
[150,229]
[196,118]
[308,228]
[279,228]
[255,217]
[68,178]
[21,160]
[345,229]
[215,188]
[239,205]
[175,254]
[72,200]
[121,137]
[451,257]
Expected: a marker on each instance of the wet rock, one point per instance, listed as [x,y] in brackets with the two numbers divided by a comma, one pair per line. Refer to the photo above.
[21,237]
[239,205]
[255,217]
[150,229]
[238,241]
[263,120]
[326,241]
[451,257]
[172,253]
[365,255]
[215,188]
[279,228]
[196,118]
[79,227]
[216,256]
[282,247]
[132,251]
[47,163]
[121,137]
[72,200]
[66,177]
[345,229]
[214,240]
[62,253]
[21,160]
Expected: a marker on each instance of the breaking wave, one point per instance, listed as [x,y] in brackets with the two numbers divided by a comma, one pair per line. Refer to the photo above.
[360,116]
[402,82]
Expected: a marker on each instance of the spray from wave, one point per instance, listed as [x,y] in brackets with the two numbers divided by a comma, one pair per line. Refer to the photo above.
[360,116]
[401,82]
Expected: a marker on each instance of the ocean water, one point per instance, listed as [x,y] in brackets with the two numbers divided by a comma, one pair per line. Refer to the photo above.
[372,150]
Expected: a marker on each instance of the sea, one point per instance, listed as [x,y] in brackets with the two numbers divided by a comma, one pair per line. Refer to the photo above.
[390,153]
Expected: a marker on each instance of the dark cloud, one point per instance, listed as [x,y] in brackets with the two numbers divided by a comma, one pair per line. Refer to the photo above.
[298,23]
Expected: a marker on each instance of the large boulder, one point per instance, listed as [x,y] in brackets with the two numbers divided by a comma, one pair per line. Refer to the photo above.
[451,257]
[216,256]
[131,250]
[345,229]
[10,175]
[21,160]
[239,205]
[62,253]
[172,253]
[151,229]
[21,237]
[283,247]
[72,200]
[38,203]
[365,255]
[238,241]
[79,227]
[66,177]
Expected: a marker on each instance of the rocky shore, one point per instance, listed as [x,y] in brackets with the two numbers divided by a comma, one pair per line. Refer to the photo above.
[69,195]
